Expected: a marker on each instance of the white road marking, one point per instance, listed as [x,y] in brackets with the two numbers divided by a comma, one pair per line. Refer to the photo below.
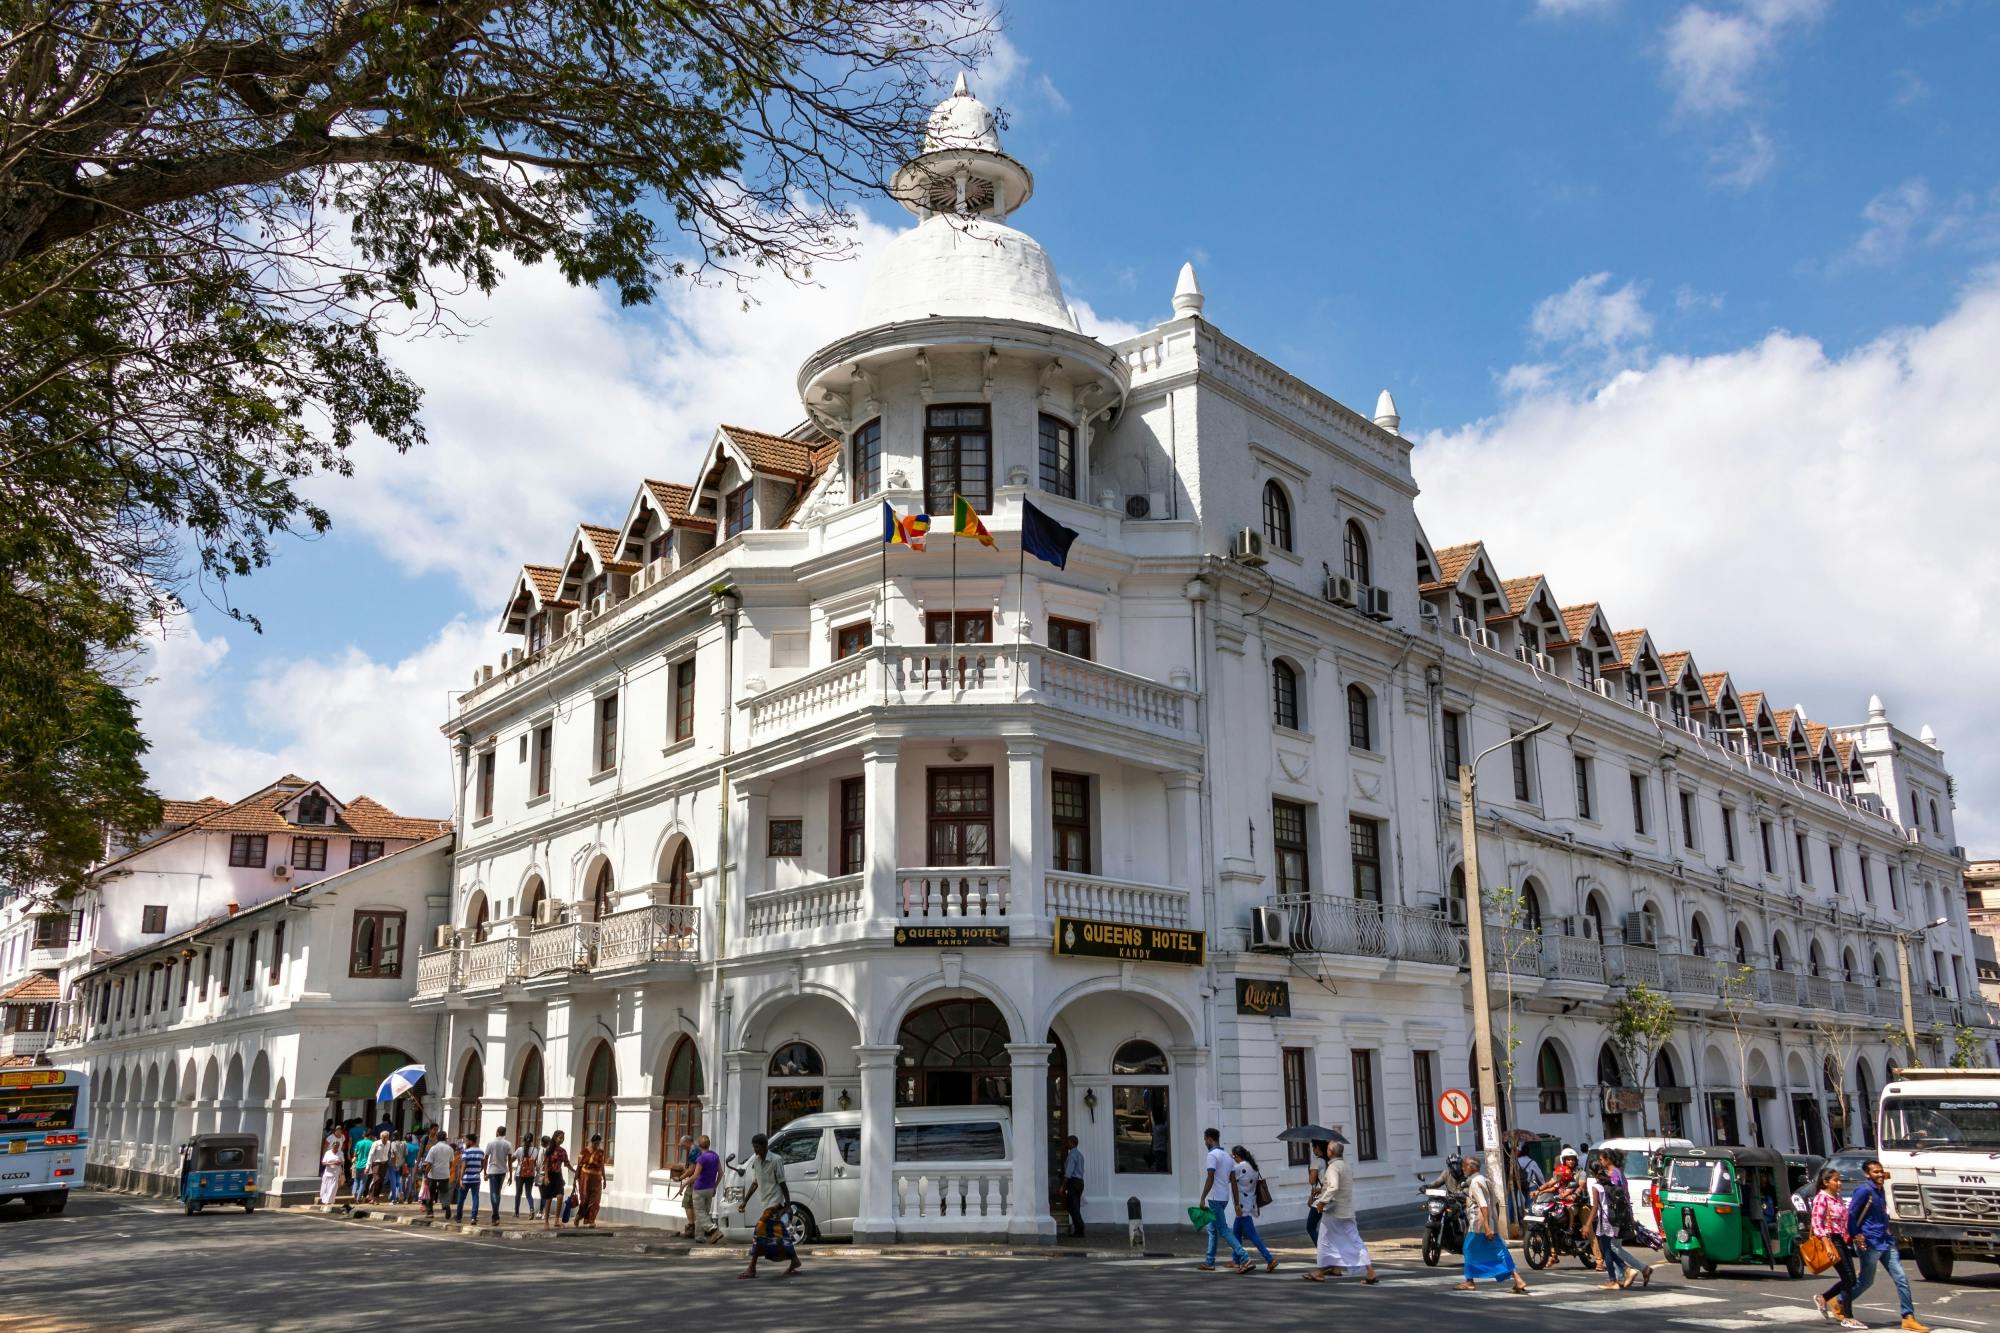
[1654,1300]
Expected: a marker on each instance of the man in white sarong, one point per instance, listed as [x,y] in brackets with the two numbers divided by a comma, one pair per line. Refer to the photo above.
[1340,1243]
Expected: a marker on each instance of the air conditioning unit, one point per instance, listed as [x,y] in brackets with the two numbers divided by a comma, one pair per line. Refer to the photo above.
[1248,548]
[548,912]
[1375,603]
[1454,910]
[281,872]
[1582,926]
[443,936]
[1650,709]
[1429,612]
[1339,590]
[600,604]
[1465,627]
[511,659]
[1639,930]
[1270,930]
[1544,663]
[1604,687]
[485,674]
[639,581]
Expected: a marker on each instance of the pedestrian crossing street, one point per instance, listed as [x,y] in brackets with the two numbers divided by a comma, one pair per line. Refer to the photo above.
[1677,1304]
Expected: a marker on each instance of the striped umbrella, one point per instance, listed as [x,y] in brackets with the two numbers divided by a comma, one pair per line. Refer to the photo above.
[399,1083]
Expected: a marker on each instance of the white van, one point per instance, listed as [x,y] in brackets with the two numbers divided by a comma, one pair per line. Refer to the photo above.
[1635,1160]
[821,1155]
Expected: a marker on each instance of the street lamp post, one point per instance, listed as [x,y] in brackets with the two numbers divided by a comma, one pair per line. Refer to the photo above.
[1475,949]
[1903,938]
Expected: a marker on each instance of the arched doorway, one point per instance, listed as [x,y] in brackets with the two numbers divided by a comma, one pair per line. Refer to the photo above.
[678,880]
[1864,1097]
[533,894]
[1142,1120]
[1058,1116]
[794,1084]
[603,896]
[1609,1078]
[680,1102]
[350,1093]
[600,1092]
[954,1053]
[527,1118]
[1552,1085]
[1674,1098]
[478,915]
[471,1088]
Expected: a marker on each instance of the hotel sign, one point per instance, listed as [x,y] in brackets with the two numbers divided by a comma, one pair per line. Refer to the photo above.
[1265,999]
[953,937]
[1079,937]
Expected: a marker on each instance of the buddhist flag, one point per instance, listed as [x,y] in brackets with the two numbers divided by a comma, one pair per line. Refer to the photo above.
[1044,538]
[965,521]
[904,529]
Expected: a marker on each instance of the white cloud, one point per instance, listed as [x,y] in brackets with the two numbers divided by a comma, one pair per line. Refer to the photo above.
[1891,216]
[1809,522]
[359,725]
[1743,161]
[1103,327]
[1688,301]
[1712,54]
[1562,9]
[1589,315]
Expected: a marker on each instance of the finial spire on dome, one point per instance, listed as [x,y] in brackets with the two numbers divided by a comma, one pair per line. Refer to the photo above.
[1877,712]
[1927,736]
[1188,299]
[1386,415]
[962,170]
[961,88]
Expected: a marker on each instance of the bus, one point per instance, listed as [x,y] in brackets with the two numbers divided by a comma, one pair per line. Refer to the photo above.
[44,1131]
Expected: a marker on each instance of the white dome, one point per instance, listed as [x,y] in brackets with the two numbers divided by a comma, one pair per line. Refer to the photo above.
[961,121]
[965,267]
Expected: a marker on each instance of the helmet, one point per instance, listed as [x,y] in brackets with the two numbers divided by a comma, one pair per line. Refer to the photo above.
[1568,1155]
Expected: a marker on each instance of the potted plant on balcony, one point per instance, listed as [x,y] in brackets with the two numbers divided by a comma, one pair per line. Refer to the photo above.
[722,597]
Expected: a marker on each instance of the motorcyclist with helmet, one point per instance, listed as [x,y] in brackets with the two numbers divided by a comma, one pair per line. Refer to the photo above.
[1565,1188]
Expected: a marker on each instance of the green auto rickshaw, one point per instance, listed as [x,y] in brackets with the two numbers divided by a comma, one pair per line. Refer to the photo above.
[1728,1206]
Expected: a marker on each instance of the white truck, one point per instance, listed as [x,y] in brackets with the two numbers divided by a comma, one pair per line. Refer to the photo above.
[1939,1140]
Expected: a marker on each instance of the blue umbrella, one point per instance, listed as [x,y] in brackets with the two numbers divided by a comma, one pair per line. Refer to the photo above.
[399,1083]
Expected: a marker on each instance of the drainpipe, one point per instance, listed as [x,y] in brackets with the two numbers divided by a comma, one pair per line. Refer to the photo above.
[1198,592]
[725,603]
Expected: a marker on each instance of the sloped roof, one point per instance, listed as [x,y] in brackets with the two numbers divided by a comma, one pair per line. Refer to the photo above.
[547,580]
[362,817]
[186,812]
[674,498]
[1673,666]
[1711,685]
[776,453]
[1628,641]
[1576,619]
[35,988]
[1452,564]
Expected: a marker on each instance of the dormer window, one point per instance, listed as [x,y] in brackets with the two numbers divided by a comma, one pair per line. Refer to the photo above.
[1586,666]
[312,808]
[538,631]
[1531,637]
[736,511]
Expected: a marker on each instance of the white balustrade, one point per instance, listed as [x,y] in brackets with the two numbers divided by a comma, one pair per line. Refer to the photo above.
[565,948]
[1116,900]
[1087,687]
[490,963]
[826,902]
[944,1198]
[437,973]
[842,687]
[941,892]
[1572,958]
[656,933]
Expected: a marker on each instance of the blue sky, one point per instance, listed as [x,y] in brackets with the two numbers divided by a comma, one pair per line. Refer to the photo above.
[1709,285]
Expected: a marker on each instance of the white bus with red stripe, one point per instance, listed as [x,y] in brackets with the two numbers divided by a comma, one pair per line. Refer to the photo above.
[44,1131]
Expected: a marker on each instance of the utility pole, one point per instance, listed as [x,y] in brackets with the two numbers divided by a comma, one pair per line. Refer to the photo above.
[1903,938]
[1475,950]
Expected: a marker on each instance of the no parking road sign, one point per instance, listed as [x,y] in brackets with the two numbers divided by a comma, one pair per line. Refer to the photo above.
[1454,1106]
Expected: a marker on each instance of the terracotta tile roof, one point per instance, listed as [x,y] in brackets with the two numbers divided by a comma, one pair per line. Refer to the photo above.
[547,580]
[186,812]
[18,1062]
[674,498]
[1576,619]
[1673,664]
[775,453]
[369,818]
[362,817]
[1816,736]
[37,988]
[1711,685]
[1628,641]
[1753,704]
[1452,563]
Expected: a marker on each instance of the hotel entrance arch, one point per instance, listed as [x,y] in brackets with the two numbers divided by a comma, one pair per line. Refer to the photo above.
[954,1053]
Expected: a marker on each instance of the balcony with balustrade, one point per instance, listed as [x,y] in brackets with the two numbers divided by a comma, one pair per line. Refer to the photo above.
[654,942]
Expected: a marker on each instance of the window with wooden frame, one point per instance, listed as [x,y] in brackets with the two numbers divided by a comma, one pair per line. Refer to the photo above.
[1690,829]
[1360,719]
[600,1099]
[1367,1142]
[308,853]
[1582,765]
[228,964]
[958,457]
[377,945]
[1453,726]
[1284,695]
[542,759]
[483,785]
[1069,810]
[1364,845]
[853,825]
[277,953]
[1805,862]
[1070,637]
[1524,782]
[960,820]
[684,674]
[1424,1068]
[946,627]
[1354,553]
[1058,457]
[864,461]
[1277,516]
[1639,803]
[607,733]
[1289,821]
[737,510]
[360,851]
[1764,841]
[851,639]
[1729,833]
[153,920]
[603,893]
[250,963]
[1298,1101]
[246,849]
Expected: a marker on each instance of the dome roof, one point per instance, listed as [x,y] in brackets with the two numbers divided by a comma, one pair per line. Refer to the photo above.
[961,121]
[965,266]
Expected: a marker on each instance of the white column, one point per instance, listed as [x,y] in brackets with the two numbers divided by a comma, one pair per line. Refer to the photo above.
[878,767]
[876,1223]
[1028,1217]
[746,1098]
[1184,831]
[752,865]
[1027,828]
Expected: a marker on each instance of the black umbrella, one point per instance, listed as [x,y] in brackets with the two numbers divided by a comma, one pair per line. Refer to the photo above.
[1312,1134]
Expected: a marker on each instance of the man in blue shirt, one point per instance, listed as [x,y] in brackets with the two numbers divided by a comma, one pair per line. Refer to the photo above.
[472,1165]
[1868,1228]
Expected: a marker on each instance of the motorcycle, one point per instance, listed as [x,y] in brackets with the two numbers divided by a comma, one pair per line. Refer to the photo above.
[1444,1224]
[1548,1232]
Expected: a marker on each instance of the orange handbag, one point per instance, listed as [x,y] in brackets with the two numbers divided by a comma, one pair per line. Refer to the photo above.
[1818,1253]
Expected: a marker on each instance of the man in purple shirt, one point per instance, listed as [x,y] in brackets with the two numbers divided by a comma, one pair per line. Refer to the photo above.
[707,1175]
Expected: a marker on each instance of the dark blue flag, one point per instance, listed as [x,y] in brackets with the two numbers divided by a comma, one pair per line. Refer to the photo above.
[1044,538]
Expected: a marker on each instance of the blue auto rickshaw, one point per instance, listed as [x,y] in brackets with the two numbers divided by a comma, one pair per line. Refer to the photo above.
[219,1168]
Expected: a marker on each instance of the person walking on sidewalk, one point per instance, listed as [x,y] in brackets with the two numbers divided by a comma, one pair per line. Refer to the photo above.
[1604,1229]
[767,1181]
[471,1173]
[770,1240]
[499,1161]
[1340,1243]
[1486,1254]
[1251,1196]
[1072,1185]
[684,1177]
[590,1181]
[329,1175]
[527,1165]
[555,1161]
[437,1176]
[1868,1229]
[1315,1160]
[707,1175]
[1217,1189]
[1828,1212]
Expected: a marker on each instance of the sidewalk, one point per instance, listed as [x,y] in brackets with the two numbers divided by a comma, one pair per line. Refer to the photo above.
[1389,1244]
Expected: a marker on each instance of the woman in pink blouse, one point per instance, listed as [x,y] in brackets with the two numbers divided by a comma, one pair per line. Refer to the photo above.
[1829,1220]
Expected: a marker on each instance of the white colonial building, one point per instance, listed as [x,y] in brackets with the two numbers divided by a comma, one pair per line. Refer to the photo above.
[765,817]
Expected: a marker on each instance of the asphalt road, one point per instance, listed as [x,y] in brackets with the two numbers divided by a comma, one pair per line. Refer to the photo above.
[116,1262]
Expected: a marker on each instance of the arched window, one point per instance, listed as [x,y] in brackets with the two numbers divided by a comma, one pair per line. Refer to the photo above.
[1698,937]
[1593,907]
[1354,551]
[680,876]
[680,1106]
[797,1059]
[1673,1098]
[527,1117]
[1284,695]
[1864,1097]
[1609,1075]
[532,896]
[1531,906]
[1058,457]
[1277,516]
[312,808]
[477,917]
[1143,1144]
[1742,947]
[1549,1079]
[1778,952]
[864,461]
[1456,908]
[600,1091]
[954,1053]
[1881,973]
[1360,719]
[603,895]
[1815,963]
[1936,827]
[471,1088]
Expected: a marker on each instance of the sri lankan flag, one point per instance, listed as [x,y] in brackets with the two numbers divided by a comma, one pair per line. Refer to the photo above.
[965,521]
[904,529]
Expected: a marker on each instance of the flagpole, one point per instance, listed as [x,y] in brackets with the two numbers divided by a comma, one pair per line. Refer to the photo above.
[952,638]
[1020,605]
[882,613]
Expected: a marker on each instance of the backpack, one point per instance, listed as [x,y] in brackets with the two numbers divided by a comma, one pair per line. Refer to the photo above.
[1619,1202]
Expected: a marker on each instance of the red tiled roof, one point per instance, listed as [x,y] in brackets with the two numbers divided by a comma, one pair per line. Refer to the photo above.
[1711,685]
[1576,619]
[186,812]
[775,453]
[674,499]
[362,817]
[547,580]
[1673,665]
[36,988]
[1753,704]
[1452,562]
[1628,641]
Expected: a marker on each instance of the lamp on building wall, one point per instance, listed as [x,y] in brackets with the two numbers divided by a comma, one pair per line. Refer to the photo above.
[1090,1103]
[843,1101]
